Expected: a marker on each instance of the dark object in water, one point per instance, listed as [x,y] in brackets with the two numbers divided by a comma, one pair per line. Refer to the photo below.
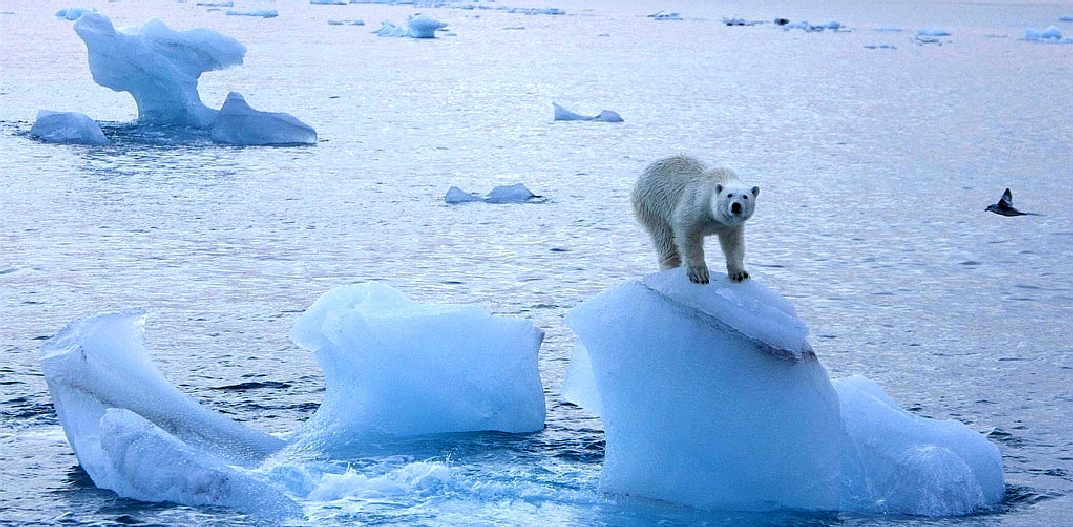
[1005,207]
[782,21]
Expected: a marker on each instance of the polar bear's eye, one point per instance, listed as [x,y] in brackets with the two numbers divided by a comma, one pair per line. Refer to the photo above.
[730,195]
[745,196]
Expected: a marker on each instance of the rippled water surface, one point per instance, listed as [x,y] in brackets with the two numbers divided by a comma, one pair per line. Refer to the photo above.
[875,165]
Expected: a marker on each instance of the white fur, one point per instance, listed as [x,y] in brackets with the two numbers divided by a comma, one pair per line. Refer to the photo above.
[681,202]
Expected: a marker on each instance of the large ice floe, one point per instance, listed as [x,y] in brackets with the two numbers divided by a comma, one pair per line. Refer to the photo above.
[712,397]
[392,367]
[160,68]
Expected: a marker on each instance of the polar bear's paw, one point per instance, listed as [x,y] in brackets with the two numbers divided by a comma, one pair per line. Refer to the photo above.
[697,274]
[738,276]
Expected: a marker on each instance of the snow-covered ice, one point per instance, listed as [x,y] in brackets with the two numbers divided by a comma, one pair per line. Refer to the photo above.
[157,65]
[395,367]
[423,26]
[562,114]
[238,124]
[745,417]
[67,127]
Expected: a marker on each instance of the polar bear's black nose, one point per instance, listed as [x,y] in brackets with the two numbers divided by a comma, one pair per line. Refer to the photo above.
[735,208]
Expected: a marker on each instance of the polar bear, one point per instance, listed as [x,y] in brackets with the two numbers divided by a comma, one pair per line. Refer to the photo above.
[680,201]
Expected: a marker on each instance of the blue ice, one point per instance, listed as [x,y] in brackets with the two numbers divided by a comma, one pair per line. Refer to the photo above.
[238,124]
[562,114]
[67,127]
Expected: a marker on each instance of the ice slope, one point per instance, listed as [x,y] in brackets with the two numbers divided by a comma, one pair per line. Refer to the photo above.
[711,397]
[238,124]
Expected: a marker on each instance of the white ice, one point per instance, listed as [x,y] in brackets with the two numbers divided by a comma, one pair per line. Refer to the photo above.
[263,13]
[100,363]
[516,193]
[158,66]
[562,114]
[666,15]
[238,124]
[395,367]
[711,397]
[1051,35]
[423,26]
[67,127]
[387,29]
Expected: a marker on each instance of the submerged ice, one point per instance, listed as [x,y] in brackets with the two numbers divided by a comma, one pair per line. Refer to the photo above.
[67,127]
[745,417]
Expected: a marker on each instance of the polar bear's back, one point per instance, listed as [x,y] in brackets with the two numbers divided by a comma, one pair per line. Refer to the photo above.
[664,184]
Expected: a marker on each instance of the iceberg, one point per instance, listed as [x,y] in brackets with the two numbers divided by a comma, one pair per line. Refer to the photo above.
[99,364]
[160,67]
[238,124]
[423,26]
[711,396]
[562,114]
[67,127]
[398,368]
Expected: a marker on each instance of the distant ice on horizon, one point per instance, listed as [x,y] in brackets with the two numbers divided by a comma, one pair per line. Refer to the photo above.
[263,13]
[562,114]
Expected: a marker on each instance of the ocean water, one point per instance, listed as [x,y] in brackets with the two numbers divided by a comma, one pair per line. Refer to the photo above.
[875,167]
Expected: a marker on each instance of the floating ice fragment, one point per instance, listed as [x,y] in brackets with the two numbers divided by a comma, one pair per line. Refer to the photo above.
[745,417]
[328,2]
[1066,18]
[457,195]
[346,22]
[72,13]
[516,193]
[238,124]
[423,26]
[387,29]
[263,13]
[666,15]
[880,46]
[933,32]
[216,4]
[562,114]
[833,25]
[396,367]
[67,127]
[1051,35]
[741,22]
[157,65]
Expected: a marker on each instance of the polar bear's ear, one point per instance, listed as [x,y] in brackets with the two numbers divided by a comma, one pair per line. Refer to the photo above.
[718,188]
[756,191]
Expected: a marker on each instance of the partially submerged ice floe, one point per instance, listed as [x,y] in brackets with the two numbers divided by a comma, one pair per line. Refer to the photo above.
[745,417]
[1051,35]
[67,127]
[160,68]
[417,26]
[516,193]
[607,116]
[393,368]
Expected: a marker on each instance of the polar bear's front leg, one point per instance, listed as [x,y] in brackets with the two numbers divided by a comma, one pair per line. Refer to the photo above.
[691,247]
[732,241]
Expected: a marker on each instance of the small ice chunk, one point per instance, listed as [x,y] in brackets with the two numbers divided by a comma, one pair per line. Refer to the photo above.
[72,13]
[666,15]
[387,29]
[880,46]
[457,195]
[346,22]
[735,21]
[516,193]
[932,31]
[238,124]
[562,114]
[1066,18]
[399,368]
[1051,35]
[328,2]
[216,4]
[67,127]
[263,13]
[423,26]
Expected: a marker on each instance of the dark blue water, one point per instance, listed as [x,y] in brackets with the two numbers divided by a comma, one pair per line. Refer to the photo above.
[875,165]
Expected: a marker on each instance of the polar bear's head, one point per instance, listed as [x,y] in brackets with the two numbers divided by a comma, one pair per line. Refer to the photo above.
[733,203]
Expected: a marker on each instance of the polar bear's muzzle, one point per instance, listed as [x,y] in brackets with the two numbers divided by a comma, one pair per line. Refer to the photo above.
[735,208]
